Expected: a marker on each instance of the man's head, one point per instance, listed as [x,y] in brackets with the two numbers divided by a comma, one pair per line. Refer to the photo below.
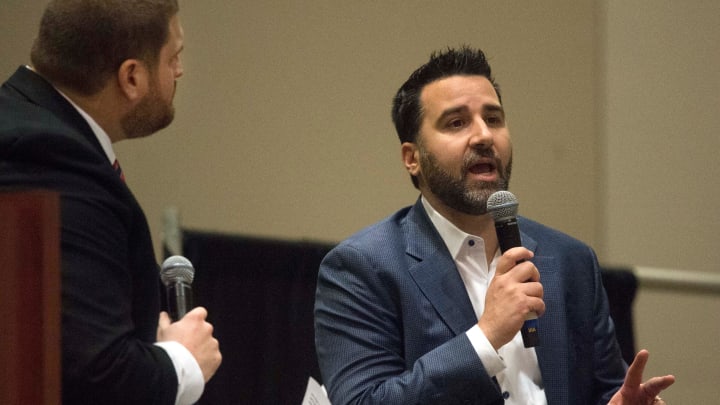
[84,46]
[455,142]
[82,43]
[407,110]
[155,110]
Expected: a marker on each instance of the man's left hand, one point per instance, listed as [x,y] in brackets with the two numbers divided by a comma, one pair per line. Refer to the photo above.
[634,391]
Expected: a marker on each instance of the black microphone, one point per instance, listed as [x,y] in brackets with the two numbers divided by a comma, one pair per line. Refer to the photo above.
[503,207]
[177,274]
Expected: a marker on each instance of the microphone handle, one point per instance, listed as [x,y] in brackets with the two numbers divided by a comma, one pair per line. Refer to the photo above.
[179,296]
[508,235]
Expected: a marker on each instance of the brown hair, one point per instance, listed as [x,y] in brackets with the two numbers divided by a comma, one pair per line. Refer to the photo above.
[82,43]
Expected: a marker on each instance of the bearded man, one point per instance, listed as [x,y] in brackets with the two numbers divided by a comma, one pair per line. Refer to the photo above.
[423,308]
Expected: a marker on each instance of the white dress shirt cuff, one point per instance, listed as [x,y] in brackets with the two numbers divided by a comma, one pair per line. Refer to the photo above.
[190,379]
[488,356]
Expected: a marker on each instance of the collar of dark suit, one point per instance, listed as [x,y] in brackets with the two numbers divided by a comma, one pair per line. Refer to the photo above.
[36,90]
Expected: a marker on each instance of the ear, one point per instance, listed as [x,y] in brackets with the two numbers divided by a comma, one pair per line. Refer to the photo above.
[133,79]
[411,157]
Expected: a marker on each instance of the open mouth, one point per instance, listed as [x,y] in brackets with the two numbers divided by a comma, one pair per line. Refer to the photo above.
[482,168]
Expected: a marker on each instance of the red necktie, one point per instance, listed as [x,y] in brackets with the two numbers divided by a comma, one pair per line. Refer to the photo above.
[118,170]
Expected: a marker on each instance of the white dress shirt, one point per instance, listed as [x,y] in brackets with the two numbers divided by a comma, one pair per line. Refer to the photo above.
[514,366]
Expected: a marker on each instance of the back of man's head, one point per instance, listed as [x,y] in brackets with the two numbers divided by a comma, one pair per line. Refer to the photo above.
[82,43]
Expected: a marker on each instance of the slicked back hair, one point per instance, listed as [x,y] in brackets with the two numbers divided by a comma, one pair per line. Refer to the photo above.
[82,43]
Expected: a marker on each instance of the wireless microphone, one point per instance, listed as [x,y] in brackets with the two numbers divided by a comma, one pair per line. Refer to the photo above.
[503,207]
[177,274]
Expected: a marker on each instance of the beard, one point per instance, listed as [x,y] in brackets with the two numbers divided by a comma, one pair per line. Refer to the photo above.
[150,115]
[454,190]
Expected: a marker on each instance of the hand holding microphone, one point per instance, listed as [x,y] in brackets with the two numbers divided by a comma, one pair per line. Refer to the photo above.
[189,326]
[503,206]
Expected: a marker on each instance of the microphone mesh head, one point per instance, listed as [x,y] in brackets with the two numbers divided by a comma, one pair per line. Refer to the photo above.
[177,269]
[502,204]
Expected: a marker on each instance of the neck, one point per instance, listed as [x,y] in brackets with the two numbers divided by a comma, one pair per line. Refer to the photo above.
[102,107]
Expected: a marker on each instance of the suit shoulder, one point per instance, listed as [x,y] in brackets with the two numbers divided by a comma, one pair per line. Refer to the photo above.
[38,149]
[20,117]
[382,234]
[545,234]
[32,111]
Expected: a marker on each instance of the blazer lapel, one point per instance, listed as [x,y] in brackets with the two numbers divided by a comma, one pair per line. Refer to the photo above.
[553,348]
[435,272]
[437,277]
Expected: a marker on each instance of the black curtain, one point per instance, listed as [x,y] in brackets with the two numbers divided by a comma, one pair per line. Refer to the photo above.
[621,287]
[260,295]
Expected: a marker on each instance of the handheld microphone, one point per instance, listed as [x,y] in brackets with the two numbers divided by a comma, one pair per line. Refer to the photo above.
[177,274]
[503,207]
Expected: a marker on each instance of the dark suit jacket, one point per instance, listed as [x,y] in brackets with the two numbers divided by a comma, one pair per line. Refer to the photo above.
[391,314]
[110,289]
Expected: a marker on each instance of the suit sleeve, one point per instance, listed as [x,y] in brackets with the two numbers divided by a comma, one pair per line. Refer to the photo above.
[610,367]
[361,342]
[105,353]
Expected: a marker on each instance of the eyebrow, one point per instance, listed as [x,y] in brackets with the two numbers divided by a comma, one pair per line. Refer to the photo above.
[494,108]
[451,111]
[486,108]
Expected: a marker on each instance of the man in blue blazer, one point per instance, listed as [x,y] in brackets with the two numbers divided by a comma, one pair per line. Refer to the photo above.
[104,71]
[421,308]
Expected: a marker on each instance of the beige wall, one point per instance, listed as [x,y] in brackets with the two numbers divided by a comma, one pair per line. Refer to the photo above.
[661,137]
[284,125]
[283,130]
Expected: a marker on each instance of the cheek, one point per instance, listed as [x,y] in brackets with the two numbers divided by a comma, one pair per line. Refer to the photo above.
[505,151]
[502,142]
[168,86]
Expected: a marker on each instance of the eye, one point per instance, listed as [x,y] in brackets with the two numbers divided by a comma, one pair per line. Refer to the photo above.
[495,120]
[456,123]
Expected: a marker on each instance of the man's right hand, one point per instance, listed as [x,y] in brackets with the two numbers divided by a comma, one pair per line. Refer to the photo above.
[514,291]
[196,334]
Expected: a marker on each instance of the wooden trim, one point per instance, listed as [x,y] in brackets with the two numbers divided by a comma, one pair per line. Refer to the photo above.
[30,298]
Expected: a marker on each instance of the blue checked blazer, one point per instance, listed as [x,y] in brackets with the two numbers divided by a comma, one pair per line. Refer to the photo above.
[391,313]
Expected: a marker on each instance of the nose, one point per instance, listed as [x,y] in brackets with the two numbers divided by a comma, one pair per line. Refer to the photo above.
[482,136]
[179,70]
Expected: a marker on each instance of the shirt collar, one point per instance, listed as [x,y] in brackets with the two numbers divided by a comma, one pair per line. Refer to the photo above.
[100,134]
[453,237]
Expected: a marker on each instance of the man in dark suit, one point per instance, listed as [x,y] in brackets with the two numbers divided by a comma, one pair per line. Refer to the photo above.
[423,308]
[104,71]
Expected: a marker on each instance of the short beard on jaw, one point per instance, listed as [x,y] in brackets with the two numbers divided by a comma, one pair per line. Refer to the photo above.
[150,115]
[453,191]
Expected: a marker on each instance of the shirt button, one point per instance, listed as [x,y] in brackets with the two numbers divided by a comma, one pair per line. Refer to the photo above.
[471,242]
[506,395]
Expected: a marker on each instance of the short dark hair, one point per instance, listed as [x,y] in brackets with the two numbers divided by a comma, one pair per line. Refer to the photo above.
[406,108]
[82,43]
